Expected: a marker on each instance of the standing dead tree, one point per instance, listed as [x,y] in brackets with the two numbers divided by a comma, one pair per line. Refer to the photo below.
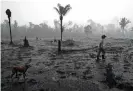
[8,12]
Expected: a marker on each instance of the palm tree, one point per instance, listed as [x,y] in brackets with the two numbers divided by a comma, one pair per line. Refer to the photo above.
[123,24]
[8,12]
[62,11]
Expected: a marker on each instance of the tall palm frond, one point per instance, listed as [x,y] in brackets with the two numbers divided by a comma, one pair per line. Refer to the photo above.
[57,10]
[61,8]
[66,9]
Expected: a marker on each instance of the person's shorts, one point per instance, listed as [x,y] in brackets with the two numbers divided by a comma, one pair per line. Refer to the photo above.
[102,50]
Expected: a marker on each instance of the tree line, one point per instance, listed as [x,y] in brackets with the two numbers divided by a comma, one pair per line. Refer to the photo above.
[65,29]
[71,30]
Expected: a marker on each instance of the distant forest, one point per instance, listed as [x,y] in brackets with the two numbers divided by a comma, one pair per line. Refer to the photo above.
[70,30]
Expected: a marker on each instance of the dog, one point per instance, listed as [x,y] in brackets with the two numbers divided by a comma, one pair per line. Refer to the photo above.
[21,69]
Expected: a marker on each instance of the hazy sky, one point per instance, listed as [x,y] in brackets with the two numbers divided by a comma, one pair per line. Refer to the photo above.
[36,11]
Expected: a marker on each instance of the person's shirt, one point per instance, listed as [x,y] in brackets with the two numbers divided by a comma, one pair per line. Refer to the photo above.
[101,45]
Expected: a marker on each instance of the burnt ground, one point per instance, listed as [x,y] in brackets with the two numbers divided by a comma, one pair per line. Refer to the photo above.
[75,69]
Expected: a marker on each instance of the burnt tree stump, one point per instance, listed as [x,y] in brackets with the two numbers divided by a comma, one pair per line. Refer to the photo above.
[110,76]
[26,43]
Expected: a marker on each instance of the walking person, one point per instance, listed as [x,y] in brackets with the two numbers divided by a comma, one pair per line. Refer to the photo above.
[101,48]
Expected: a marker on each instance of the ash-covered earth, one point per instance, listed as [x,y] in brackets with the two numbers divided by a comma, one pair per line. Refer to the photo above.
[75,69]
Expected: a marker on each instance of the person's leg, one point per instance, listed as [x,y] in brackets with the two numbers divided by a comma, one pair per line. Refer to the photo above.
[103,54]
[98,54]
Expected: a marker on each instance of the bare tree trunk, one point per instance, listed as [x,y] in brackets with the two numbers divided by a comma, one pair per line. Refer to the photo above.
[59,45]
[124,33]
[10,31]
[59,42]
[61,30]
